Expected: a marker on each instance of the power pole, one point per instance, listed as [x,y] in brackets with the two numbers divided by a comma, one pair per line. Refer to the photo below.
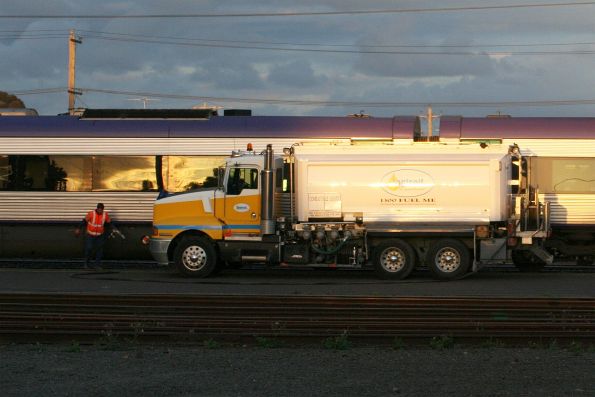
[429,116]
[72,42]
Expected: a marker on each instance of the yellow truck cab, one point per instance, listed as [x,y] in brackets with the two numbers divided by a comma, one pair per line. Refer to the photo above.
[185,225]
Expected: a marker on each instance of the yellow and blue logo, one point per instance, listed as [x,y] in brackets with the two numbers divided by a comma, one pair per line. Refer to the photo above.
[407,183]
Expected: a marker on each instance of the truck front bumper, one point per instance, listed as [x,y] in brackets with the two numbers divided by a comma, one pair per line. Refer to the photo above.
[158,249]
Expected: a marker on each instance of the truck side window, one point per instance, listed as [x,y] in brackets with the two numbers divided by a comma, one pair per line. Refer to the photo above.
[242,178]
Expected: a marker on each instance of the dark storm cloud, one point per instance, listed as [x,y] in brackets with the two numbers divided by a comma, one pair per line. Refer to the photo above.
[238,77]
[233,72]
[295,74]
[424,66]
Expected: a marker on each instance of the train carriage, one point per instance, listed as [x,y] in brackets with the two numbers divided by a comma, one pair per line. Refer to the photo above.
[55,168]
[561,152]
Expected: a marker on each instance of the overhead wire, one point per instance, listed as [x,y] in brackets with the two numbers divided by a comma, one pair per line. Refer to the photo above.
[32,37]
[301,13]
[329,48]
[307,102]
[335,51]
[362,45]
[30,30]
[40,91]
[341,51]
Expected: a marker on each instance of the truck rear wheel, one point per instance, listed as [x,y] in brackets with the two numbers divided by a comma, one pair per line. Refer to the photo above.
[394,259]
[448,259]
[195,257]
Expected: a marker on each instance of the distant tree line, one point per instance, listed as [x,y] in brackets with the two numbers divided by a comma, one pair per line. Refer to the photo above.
[10,101]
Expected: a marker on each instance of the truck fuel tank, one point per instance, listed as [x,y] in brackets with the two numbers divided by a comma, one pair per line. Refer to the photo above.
[423,183]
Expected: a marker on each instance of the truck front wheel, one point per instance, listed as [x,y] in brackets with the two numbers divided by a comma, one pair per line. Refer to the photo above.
[448,259]
[394,259]
[195,257]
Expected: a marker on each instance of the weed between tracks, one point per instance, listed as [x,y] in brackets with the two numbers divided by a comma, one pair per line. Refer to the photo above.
[442,342]
[340,342]
[268,343]
[211,344]
[74,347]
[491,343]
[113,342]
[133,337]
[398,343]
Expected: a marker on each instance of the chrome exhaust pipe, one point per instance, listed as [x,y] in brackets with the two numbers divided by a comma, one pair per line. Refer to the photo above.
[267,194]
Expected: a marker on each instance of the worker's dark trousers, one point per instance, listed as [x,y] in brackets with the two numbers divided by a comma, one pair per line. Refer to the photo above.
[94,247]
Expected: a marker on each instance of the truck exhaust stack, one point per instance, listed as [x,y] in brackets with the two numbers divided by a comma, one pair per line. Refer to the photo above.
[267,176]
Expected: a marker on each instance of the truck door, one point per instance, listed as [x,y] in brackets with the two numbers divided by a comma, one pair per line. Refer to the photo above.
[242,200]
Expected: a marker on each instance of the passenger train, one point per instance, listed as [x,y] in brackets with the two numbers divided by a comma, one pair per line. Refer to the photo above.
[53,169]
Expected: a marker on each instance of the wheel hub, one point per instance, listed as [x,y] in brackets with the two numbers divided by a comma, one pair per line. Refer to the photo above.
[393,260]
[194,257]
[448,260]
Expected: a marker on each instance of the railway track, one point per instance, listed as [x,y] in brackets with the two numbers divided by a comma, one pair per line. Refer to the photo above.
[31,316]
[20,263]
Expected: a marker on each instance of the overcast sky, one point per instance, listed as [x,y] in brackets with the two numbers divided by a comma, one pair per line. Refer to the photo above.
[28,62]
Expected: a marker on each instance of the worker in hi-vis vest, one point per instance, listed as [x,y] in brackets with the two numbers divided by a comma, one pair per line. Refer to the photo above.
[96,222]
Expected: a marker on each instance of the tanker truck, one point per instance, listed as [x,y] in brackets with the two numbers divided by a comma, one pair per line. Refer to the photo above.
[387,207]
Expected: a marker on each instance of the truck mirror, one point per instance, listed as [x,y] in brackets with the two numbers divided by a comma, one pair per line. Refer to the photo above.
[220,177]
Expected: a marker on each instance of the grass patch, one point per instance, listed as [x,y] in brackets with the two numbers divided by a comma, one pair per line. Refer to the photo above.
[211,344]
[442,342]
[74,347]
[267,343]
[576,347]
[398,343]
[492,342]
[340,342]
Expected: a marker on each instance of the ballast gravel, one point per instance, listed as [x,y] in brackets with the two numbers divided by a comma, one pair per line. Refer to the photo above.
[146,370]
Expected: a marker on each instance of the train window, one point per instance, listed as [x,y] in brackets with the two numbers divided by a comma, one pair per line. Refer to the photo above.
[124,173]
[47,173]
[77,173]
[5,172]
[190,172]
[71,173]
[106,173]
[27,173]
[564,175]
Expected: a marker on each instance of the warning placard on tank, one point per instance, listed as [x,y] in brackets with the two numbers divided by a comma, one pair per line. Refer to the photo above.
[324,205]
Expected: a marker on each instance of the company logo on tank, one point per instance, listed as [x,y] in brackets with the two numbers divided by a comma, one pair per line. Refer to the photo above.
[407,182]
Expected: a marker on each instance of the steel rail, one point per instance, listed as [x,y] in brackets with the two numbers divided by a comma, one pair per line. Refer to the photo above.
[237,316]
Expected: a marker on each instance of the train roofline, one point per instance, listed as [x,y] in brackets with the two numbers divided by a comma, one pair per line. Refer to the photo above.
[215,127]
[306,127]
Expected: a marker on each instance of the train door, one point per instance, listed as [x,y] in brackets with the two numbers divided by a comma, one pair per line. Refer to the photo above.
[242,200]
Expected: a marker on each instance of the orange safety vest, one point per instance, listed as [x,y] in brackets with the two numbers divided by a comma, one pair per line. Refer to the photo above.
[96,222]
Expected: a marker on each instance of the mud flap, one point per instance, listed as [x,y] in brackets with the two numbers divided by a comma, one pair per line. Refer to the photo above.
[542,254]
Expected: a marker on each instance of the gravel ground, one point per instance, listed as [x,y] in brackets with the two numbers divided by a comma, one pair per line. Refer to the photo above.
[73,370]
